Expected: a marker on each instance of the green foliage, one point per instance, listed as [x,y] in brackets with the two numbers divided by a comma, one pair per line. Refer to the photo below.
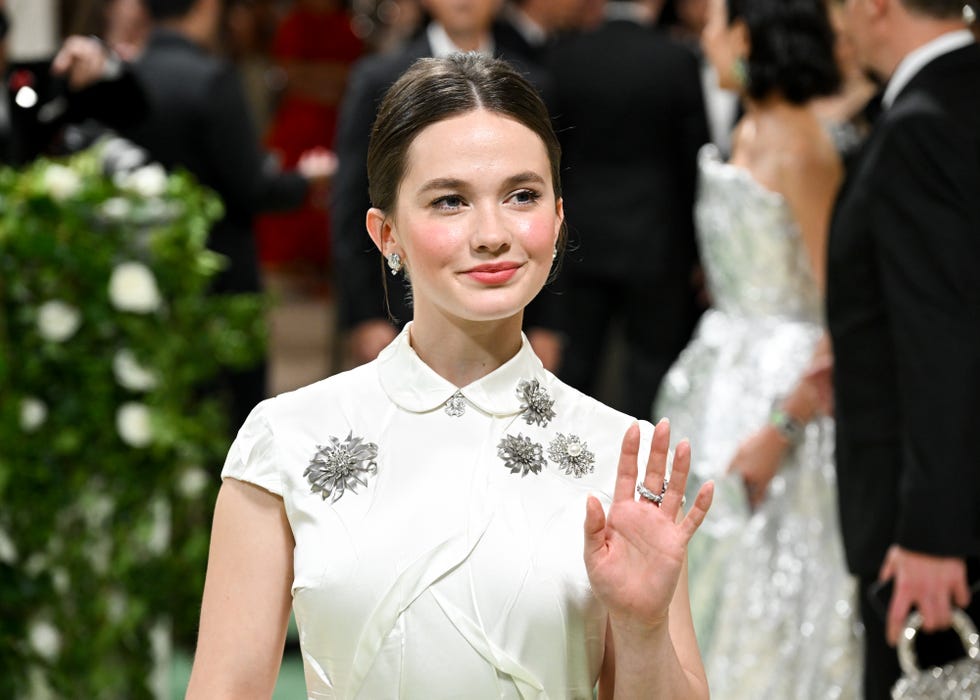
[111,435]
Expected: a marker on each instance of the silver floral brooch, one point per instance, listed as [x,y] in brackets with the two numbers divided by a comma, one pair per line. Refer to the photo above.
[572,455]
[339,466]
[520,455]
[536,405]
[456,405]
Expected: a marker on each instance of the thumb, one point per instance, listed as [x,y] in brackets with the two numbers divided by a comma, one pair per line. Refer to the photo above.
[595,526]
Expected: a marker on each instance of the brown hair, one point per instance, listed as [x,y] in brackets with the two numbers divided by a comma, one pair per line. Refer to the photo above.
[434,89]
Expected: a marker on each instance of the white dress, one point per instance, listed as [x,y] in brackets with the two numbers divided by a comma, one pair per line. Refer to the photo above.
[439,539]
[772,602]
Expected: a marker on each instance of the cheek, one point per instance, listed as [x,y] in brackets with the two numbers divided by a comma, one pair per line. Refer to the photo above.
[432,245]
[538,234]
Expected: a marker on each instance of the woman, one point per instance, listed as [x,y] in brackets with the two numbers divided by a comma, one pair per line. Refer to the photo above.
[768,582]
[422,513]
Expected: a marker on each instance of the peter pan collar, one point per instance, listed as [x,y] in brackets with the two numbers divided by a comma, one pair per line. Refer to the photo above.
[414,386]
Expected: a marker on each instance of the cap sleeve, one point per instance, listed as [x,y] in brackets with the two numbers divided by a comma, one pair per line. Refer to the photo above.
[252,456]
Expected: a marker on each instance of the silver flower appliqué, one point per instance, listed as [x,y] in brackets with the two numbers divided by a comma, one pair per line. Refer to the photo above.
[536,405]
[520,455]
[572,455]
[340,466]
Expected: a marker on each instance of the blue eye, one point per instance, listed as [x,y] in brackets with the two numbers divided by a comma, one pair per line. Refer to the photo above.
[526,196]
[450,201]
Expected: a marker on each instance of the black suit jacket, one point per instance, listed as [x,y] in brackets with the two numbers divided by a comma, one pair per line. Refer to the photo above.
[361,296]
[631,119]
[199,120]
[903,305]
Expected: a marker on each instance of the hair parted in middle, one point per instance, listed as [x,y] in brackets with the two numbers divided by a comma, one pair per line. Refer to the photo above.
[435,89]
[792,48]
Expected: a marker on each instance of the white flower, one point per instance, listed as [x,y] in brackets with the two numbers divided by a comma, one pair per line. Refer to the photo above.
[192,482]
[8,551]
[159,535]
[133,424]
[33,413]
[57,321]
[116,208]
[61,182]
[45,639]
[133,287]
[148,181]
[131,374]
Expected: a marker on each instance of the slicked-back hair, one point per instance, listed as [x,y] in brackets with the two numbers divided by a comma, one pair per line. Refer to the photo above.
[435,89]
[792,48]
[169,9]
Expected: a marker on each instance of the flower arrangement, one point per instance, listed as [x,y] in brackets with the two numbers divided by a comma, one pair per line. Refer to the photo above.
[111,433]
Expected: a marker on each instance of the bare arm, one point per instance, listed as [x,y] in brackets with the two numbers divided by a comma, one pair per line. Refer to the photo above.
[246,596]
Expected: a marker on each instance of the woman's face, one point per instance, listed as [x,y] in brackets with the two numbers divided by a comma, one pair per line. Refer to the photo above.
[476,220]
[723,44]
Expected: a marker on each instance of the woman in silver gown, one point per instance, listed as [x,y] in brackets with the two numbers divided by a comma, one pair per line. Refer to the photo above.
[771,597]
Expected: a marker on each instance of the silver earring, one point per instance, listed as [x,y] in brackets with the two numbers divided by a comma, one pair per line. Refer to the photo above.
[394,263]
[554,253]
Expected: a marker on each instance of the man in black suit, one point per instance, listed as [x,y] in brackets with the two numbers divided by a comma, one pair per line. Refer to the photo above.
[199,119]
[903,306]
[631,119]
[362,307]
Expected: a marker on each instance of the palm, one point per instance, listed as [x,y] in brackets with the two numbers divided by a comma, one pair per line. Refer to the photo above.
[634,555]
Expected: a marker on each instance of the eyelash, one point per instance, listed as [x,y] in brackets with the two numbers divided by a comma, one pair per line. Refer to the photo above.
[444,201]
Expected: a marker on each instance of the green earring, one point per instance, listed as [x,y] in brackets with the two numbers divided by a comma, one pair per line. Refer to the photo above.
[740,71]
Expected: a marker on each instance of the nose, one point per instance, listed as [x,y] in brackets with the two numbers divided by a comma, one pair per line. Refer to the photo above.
[491,230]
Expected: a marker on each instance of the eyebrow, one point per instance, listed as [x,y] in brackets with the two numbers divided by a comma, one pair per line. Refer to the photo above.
[451,183]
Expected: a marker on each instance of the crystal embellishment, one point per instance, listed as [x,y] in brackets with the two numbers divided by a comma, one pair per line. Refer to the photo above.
[520,455]
[572,455]
[536,405]
[340,466]
[456,405]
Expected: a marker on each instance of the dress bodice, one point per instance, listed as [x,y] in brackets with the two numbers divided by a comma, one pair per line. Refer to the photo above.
[751,247]
[438,529]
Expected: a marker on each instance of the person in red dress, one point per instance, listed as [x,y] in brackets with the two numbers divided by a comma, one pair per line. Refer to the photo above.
[315,46]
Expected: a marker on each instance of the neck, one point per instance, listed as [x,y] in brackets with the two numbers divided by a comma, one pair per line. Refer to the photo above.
[193,26]
[910,33]
[468,40]
[464,351]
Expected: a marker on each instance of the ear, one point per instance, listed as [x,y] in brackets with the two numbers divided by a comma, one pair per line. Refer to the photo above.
[381,231]
[560,218]
[741,43]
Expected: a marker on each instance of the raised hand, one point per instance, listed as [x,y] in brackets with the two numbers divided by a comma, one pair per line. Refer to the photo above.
[635,554]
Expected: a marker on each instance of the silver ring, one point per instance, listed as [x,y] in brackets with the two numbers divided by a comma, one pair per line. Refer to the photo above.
[649,495]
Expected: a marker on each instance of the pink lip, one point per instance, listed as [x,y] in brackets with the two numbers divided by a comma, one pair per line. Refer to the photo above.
[493,273]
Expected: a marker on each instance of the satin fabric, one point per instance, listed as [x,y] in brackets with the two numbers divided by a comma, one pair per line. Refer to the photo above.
[448,575]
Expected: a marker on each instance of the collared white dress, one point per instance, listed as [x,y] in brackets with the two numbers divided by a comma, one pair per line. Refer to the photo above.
[439,531]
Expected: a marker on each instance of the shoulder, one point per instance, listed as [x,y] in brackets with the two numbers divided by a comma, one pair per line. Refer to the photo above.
[315,402]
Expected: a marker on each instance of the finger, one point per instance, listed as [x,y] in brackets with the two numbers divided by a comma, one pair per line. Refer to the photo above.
[656,469]
[595,525]
[898,613]
[626,471]
[678,480]
[64,59]
[888,567]
[961,592]
[692,521]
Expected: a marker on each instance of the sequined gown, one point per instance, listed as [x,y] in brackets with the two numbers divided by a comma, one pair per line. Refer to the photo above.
[772,602]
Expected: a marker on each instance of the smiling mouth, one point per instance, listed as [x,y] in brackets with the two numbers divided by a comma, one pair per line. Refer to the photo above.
[493,273]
